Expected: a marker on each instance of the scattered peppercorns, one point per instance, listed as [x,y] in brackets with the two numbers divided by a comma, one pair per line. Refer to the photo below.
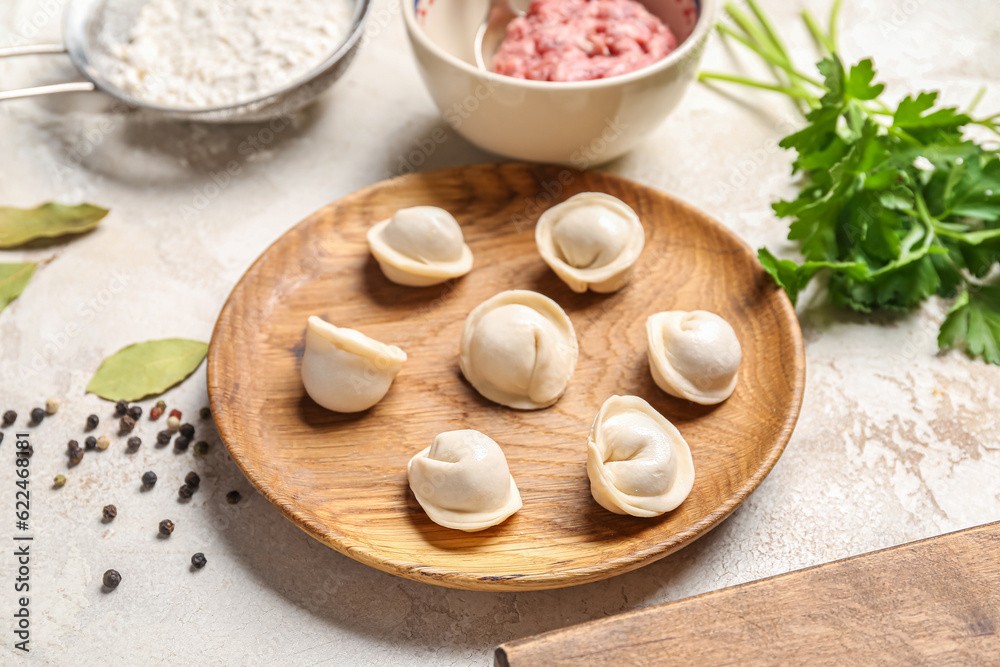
[187,430]
[135,412]
[90,442]
[176,413]
[201,448]
[9,417]
[186,491]
[110,512]
[166,527]
[233,497]
[93,421]
[72,444]
[155,412]
[199,560]
[121,408]
[112,579]
[103,442]
[149,478]
[60,480]
[192,479]
[52,406]
[126,424]
[161,404]
[133,444]
[37,415]
[163,437]
[173,423]
[1,437]
[181,443]
[206,413]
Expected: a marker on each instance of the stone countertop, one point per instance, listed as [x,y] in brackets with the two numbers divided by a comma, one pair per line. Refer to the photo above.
[895,442]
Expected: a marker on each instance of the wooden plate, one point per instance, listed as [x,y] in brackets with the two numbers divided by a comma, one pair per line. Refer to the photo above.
[342,478]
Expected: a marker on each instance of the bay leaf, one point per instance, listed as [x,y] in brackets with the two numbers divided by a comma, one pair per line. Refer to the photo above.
[146,369]
[13,279]
[20,225]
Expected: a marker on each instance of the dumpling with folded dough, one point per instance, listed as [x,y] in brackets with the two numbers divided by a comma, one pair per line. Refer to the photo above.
[462,481]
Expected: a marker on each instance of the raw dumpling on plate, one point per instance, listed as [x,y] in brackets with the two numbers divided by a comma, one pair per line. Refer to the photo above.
[462,481]
[420,246]
[519,349]
[693,355]
[346,371]
[637,461]
[591,240]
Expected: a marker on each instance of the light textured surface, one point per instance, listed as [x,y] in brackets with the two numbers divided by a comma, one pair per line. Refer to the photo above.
[895,442]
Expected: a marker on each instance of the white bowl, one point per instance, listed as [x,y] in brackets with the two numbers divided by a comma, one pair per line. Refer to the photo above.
[574,123]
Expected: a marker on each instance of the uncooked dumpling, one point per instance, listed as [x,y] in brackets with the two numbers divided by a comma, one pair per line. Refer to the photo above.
[591,240]
[462,481]
[420,246]
[637,461]
[346,371]
[693,355]
[519,349]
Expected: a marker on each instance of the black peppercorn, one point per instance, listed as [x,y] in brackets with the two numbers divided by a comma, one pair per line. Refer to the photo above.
[187,430]
[93,421]
[135,412]
[185,491]
[233,497]
[149,478]
[163,437]
[201,448]
[90,442]
[206,413]
[112,578]
[37,415]
[121,407]
[110,512]
[192,479]
[181,443]
[75,452]
[126,424]
[166,527]
[1,437]
[133,444]
[199,560]
[9,417]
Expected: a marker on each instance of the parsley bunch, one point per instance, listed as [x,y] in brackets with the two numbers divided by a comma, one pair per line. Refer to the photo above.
[897,204]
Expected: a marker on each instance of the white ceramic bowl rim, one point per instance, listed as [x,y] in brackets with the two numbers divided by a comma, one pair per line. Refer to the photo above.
[706,19]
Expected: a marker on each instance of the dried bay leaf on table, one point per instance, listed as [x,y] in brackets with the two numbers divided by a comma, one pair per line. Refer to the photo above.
[13,279]
[146,369]
[20,225]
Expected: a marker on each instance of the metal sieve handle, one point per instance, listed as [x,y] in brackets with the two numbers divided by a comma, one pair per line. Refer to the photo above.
[41,49]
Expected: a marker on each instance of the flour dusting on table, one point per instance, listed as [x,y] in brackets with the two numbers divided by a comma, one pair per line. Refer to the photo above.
[193,53]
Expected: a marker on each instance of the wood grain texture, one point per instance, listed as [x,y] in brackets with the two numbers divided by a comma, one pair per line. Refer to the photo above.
[933,602]
[342,478]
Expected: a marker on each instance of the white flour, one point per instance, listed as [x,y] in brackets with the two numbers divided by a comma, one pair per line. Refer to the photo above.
[198,53]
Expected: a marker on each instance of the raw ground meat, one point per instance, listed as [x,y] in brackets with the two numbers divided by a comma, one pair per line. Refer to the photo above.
[578,40]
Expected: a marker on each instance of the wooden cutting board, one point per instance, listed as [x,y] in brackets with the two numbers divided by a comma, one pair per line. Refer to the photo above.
[932,602]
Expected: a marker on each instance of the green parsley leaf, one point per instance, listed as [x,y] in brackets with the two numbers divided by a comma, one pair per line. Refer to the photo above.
[974,323]
[859,83]
[793,277]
